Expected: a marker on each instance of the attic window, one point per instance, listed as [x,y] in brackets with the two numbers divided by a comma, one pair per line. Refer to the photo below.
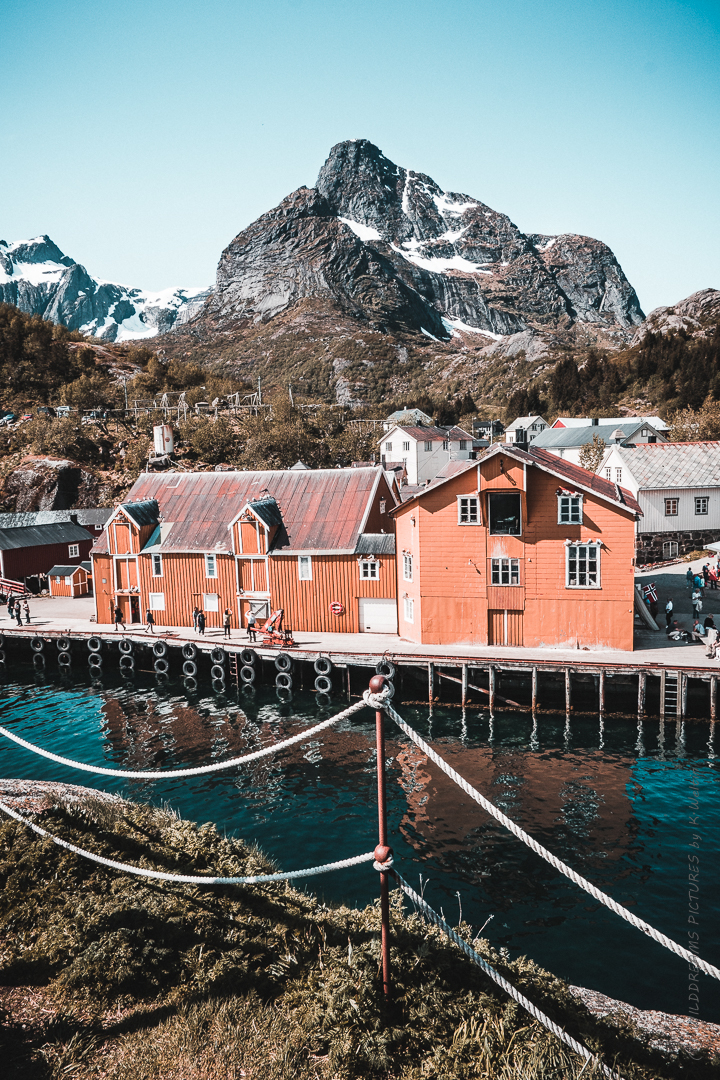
[569,508]
[210,566]
[304,568]
[468,510]
[383,504]
[369,569]
[428,447]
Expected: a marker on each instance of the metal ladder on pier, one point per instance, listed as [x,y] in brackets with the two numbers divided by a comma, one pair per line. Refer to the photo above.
[670,689]
[233,665]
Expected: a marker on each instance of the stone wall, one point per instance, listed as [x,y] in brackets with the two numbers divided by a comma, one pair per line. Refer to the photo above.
[650,545]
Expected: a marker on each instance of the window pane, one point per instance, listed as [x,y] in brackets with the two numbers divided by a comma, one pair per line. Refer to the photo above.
[514,572]
[504,514]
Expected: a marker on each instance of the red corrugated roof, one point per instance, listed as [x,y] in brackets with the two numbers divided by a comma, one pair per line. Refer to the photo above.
[322,509]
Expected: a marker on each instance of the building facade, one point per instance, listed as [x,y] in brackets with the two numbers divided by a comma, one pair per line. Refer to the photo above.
[567,442]
[518,549]
[31,550]
[425,450]
[317,543]
[524,430]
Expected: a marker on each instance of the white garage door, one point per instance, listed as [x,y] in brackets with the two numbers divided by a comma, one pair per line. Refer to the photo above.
[378,616]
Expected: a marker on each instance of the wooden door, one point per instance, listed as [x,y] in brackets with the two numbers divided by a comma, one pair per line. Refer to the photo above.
[514,628]
[496,627]
[505,627]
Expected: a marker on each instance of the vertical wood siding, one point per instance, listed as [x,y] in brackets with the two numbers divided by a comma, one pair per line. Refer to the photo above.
[336,578]
[29,561]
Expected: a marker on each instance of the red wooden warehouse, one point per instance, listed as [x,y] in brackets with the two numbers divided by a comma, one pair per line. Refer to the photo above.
[31,550]
[518,549]
[318,543]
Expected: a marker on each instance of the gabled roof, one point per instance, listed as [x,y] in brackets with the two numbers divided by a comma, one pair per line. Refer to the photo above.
[420,433]
[525,422]
[322,509]
[585,421]
[375,544]
[65,571]
[577,436]
[401,416]
[142,511]
[63,532]
[93,516]
[581,479]
[673,465]
[456,433]
[267,510]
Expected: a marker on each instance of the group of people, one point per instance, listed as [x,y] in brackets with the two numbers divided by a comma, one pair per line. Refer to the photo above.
[704,632]
[198,618]
[16,610]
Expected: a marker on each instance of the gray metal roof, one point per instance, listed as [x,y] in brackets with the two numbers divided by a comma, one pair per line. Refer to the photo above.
[674,465]
[267,510]
[525,422]
[63,571]
[375,544]
[92,516]
[63,532]
[578,436]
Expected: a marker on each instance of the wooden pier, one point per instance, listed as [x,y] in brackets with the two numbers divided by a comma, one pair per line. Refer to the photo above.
[637,687]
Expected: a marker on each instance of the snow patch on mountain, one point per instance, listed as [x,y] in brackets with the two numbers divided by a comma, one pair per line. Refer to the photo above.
[36,277]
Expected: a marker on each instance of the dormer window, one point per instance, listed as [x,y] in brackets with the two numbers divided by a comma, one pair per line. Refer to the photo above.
[569,508]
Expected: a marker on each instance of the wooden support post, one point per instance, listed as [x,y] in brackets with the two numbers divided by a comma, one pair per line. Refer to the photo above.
[682,694]
[382,851]
[464,684]
[534,690]
[601,691]
[491,687]
[642,686]
[662,693]
[713,697]
[431,682]
[348,683]
[568,703]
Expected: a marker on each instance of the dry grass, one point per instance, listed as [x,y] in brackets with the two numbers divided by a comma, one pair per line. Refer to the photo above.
[121,977]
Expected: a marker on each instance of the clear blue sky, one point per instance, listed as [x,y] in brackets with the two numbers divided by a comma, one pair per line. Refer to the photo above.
[143,136]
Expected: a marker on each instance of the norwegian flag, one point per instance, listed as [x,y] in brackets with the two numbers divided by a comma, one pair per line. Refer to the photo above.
[650,591]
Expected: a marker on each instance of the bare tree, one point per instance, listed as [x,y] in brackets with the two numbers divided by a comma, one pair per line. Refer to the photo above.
[592,453]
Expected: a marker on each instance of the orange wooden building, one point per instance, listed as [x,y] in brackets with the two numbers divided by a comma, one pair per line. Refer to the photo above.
[517,549]
[318,543]
[70,580]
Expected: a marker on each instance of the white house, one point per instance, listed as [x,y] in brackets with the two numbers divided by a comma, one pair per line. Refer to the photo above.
[525,430]
[678,488]
[424,450]
[587,421]
[567,442]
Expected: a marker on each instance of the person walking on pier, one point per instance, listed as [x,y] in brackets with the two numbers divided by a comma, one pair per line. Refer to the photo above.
[150,620]
[668,611]
[118,617]
[227,615]
[196,612]
[689,578]
[201,623]
[26,610]
[251,624]
[18,613]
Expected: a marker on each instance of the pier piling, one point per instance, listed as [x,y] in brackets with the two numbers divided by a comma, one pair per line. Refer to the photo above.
[491,687]
[713,697]
[464,685]
[642,688]
[534,690]
[568,691]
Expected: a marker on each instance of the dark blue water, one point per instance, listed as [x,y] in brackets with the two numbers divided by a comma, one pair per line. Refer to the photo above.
[614,800]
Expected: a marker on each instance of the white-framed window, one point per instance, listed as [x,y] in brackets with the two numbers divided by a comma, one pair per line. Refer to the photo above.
[428,447]
[406,447]
[671,507]
[408,609]
[608,474]
[211,601]
[156,601]
[618,476]
[468,510]
[68,579]
[98,528]
[407,567]
[520,434]
[446,444]
[670,549]
[533,427]
[463,444]
[304,568]
[211,566]
[701,504]
[569,509]
[369,569]
[505,571]
[157,568]
[73,551]
[582,566]
[645,433]
[388,446]
[58,580]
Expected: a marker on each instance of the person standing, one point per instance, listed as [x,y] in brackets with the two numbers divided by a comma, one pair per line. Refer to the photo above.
[118,617]
[18,613]
[227,614]
[150,620]
[699,583]
[251,624]
[696,602]
[668,611]
[689,578]
[196,612]
[201,622]
[26,609]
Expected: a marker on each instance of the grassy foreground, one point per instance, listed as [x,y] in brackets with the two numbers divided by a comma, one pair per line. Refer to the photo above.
[107,975]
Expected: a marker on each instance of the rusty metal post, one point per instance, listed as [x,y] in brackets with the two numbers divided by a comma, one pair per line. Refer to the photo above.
[382,851]
[713,697]
[464,685]
[534,690]
[491,687]
[642,685]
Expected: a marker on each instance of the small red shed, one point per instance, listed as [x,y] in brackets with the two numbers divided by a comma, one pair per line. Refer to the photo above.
[68,581]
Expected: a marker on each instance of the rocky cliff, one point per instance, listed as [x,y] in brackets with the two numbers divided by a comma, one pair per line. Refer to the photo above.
[39,279]
[388,246]
[698,315]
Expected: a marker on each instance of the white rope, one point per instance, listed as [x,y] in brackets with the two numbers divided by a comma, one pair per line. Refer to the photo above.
[497,977]
[379,701]
[171,774]
[186,879]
